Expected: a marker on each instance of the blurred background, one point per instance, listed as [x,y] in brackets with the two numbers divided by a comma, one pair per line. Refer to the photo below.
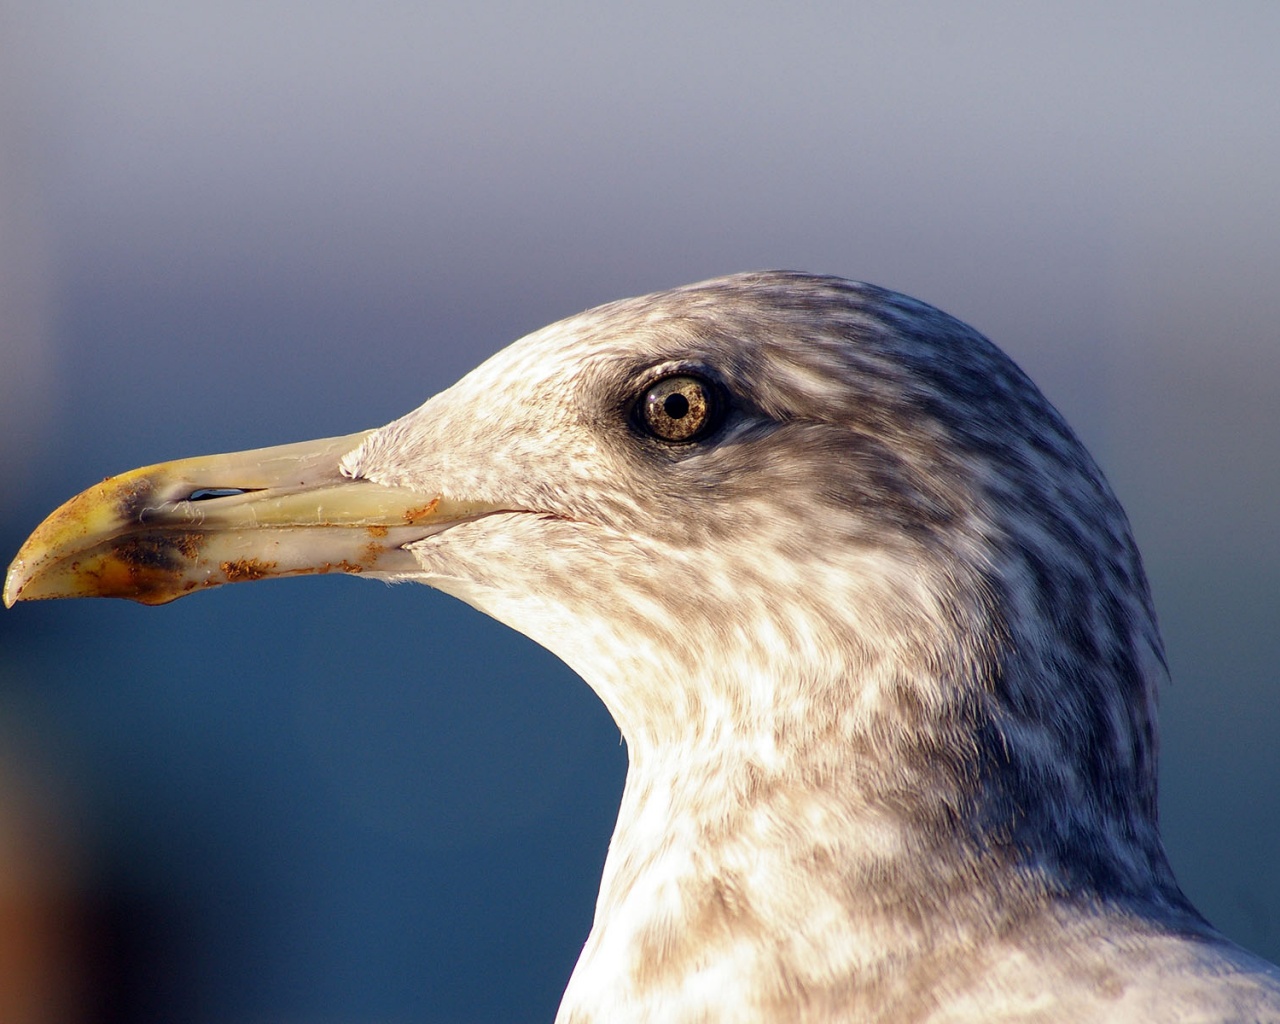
[238,224]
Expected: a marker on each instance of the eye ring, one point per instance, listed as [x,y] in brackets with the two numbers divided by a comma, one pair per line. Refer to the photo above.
[679,408]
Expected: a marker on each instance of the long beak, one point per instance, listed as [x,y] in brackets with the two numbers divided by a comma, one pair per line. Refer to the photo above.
[161,532]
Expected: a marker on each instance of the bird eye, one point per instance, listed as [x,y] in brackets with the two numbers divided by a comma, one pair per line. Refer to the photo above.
[679,408]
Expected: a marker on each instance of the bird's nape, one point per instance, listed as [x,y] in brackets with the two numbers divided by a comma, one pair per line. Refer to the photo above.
[870,619]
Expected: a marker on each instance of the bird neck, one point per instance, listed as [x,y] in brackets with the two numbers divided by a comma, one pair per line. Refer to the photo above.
[742,866]
[791,852]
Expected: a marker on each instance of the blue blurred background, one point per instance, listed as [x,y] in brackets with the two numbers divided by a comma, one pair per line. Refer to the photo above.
[238,224]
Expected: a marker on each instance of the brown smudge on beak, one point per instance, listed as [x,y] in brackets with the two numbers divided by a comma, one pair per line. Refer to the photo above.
[413,516]
[245,570]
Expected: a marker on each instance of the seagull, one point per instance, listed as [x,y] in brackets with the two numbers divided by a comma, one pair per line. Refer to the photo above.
[868,616]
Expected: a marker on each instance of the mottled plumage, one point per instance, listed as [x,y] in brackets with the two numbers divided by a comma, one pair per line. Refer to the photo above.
[879,642]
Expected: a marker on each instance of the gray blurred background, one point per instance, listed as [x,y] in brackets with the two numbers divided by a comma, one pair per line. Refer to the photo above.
[234,224]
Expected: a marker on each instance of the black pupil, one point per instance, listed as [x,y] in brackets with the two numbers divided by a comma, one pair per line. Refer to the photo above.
[675,406]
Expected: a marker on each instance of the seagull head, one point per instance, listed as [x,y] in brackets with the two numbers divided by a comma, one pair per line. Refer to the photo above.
[787,527]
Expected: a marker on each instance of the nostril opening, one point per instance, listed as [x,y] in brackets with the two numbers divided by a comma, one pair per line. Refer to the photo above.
[209,493]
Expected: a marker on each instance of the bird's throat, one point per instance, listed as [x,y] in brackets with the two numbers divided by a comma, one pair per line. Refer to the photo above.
[723,876]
